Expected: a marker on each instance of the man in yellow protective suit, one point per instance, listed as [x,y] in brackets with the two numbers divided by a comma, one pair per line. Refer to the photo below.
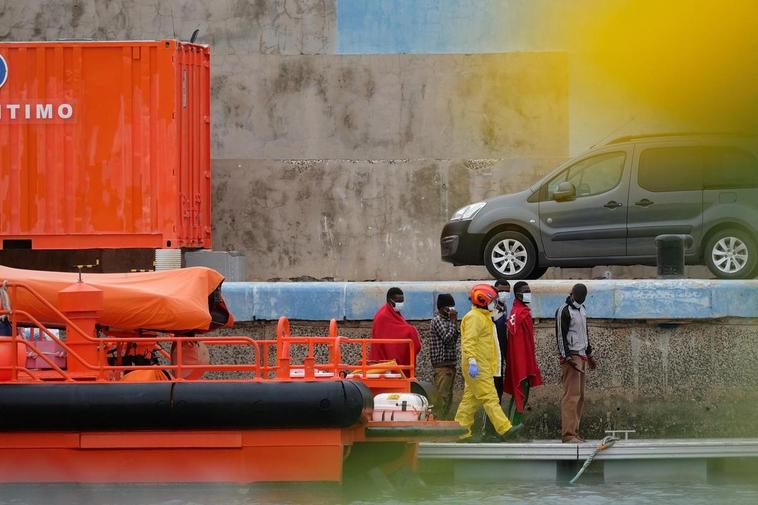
[479,362]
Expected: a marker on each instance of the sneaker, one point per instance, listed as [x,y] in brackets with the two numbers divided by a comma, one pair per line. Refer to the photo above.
[573,440]
[509,435]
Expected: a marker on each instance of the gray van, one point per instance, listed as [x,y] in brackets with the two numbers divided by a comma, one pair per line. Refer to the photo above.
[606,207]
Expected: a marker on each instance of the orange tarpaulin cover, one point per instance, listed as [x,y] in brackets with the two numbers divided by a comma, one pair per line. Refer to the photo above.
[171,300]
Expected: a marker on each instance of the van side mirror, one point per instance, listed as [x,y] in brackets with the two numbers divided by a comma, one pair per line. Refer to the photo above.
[565,192]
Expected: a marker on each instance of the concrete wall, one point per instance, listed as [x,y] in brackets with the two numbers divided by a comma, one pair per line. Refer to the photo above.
[346,167]
[232,27]
[387,107]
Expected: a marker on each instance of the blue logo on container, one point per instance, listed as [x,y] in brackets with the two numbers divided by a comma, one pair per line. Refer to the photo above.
[3,71]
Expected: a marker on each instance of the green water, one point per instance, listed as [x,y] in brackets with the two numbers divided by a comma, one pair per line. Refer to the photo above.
[479,494]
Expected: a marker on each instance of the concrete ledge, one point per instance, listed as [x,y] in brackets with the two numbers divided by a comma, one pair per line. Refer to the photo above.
[608,299]
[541,451]
[660,460]
[663,449]
[675,449]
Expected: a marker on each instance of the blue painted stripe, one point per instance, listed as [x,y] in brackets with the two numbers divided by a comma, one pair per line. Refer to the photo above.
[421,26]
[614,299]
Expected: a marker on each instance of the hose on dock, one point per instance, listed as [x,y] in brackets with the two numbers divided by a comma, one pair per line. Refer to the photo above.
[603,445]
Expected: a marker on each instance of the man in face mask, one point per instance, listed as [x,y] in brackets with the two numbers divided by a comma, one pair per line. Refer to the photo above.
[443,340]
[390,324]
[500,318]
[521,369]
[575,354]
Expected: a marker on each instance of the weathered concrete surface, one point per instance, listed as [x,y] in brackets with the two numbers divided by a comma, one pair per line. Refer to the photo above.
[386,144]
[691,380]
[352,220]
[509,105]
[231,27]
[280,92]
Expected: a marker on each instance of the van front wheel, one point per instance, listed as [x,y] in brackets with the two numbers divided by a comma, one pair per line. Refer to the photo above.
[731,254]
[510,255]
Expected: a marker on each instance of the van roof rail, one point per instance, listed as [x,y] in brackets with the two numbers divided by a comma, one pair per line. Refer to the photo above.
[628,138]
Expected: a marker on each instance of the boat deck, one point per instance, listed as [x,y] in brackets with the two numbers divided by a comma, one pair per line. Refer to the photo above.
[626,460]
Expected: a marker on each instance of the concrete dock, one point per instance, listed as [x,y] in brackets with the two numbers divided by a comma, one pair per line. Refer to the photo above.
[691,460]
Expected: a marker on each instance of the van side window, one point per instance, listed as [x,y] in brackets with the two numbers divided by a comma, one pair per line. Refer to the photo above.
[666,169]
[591,176]
[730,168]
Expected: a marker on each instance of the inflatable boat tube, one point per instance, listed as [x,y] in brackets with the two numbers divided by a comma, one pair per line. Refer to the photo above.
[166,405]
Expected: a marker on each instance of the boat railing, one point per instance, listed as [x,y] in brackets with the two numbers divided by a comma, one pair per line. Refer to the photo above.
[286,358]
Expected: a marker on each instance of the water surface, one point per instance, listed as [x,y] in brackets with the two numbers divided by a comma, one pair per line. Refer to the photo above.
[467,493]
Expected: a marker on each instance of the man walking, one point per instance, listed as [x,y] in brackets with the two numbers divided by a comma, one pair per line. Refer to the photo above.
[521,370]
[478,360]
[443,339]
[576,356]
[503,289]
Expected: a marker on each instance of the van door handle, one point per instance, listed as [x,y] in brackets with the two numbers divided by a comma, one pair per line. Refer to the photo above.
[644,203]
[612,204]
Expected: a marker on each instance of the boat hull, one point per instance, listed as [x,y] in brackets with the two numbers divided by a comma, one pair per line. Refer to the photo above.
[193,456]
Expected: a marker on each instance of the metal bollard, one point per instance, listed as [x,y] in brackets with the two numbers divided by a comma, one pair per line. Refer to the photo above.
[670,255]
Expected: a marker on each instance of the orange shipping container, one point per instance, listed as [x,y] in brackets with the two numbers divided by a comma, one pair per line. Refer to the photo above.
[104,145]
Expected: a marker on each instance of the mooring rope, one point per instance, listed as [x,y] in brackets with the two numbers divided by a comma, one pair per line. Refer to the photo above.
[603,445]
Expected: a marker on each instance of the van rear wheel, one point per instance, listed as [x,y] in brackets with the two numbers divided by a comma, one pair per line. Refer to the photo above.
[510,255]
[731,254]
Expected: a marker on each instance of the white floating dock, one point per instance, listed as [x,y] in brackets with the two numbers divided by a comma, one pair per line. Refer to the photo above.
[627,460]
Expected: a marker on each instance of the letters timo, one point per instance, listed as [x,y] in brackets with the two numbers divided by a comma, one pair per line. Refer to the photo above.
[23,112]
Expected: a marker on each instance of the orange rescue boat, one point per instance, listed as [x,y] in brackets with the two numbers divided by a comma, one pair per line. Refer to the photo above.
[119,389]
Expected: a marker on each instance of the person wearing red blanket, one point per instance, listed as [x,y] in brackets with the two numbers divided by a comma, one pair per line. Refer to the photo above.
[390,324]
[521,369]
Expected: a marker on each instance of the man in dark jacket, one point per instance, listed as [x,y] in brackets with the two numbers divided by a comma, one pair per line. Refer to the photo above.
[443,342]
[575,356]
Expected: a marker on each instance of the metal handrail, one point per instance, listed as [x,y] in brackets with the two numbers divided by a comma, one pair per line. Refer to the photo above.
[259,367]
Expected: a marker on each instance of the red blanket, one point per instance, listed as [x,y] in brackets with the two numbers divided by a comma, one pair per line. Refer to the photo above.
[520,360]
[390,324]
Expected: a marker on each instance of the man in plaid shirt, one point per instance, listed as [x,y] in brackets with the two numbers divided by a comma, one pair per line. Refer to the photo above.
[443,341]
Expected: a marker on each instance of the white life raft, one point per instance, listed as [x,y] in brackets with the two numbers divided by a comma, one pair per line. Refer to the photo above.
[400,407]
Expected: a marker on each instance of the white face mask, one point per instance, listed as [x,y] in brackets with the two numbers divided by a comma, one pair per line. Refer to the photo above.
[526,298]
[492,307]
[504,296]
[398,306]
